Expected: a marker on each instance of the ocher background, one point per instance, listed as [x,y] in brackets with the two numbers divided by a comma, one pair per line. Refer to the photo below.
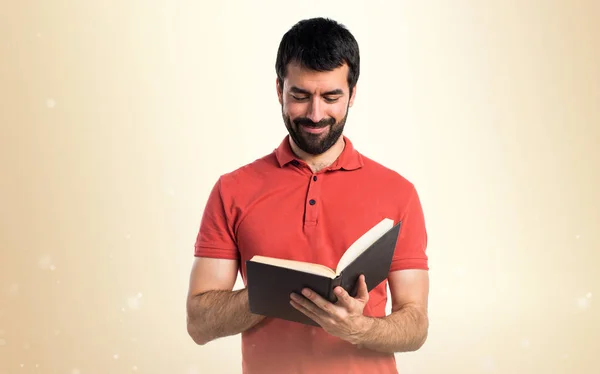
[118,116]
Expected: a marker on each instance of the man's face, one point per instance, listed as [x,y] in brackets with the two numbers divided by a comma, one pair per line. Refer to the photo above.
[314,106]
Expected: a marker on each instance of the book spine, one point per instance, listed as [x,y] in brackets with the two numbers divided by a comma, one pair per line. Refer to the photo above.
[337,281]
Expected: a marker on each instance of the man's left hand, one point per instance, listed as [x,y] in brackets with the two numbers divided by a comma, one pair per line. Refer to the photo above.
[343,319]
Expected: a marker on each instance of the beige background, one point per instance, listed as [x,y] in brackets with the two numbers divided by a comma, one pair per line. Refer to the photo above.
[118,116]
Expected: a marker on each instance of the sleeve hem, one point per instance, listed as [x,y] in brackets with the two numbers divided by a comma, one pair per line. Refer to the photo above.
[412,263]
[224,253]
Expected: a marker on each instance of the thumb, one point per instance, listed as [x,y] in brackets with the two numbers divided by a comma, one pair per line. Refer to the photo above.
[362,292]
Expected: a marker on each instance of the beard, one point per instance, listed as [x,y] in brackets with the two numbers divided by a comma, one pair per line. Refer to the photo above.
[315,144]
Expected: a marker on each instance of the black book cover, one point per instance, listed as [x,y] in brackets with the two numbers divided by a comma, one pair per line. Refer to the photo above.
[270,286]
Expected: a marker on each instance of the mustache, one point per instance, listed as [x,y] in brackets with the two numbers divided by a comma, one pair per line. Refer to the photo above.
[307,122]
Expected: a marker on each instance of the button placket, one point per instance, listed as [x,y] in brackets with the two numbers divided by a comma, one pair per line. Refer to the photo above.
[312,201]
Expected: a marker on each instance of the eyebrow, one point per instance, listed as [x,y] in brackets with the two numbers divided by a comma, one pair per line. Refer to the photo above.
[328,93]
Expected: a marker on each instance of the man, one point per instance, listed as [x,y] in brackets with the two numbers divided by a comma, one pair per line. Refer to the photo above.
[309,200]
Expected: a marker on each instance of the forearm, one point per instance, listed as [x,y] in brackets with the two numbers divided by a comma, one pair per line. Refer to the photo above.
[219,313]
[404,330]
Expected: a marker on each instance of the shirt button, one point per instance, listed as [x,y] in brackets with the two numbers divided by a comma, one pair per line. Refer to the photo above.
[295,162]
[315,178]
[312,202]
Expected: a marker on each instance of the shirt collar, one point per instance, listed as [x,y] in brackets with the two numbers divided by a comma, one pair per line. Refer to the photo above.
[349,159]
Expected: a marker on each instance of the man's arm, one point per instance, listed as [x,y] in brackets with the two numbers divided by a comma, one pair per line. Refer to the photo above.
[404,330]
[213,309]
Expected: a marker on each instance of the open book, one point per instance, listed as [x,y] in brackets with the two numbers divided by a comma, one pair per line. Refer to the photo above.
[271,280]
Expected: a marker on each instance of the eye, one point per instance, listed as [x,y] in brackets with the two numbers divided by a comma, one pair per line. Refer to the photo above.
[331,99]
[299,98]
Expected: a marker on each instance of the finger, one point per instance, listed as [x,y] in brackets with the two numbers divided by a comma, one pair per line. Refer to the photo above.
[319,301]
[306,311]
[307,305]
[362,291]
[344,299]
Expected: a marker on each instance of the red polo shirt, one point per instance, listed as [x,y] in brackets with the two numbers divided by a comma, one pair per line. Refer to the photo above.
[276,206]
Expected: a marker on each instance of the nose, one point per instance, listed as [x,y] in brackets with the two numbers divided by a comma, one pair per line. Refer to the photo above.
[315,110]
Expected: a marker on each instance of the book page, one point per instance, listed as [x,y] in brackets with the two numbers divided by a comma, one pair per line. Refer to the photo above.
[306,267]
[364,242]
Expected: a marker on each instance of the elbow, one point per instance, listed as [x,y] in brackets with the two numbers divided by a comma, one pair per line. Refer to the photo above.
[417,338]
[196,334]
[199,340]
[419,342]
[196,330]
[421,338]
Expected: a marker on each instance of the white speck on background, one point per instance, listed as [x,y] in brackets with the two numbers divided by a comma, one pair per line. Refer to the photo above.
[22,365]
[564,356]
[75,371]
[525,343]
[127,236]
[171,192]
[52,267]
[134,368]
[116,356]
[584,302]
[26,346]
[134,301]
[50,103]
[45,262]
[56,332]
[2,342]
[577,237]
[589,295]
[13,290]
[58,282]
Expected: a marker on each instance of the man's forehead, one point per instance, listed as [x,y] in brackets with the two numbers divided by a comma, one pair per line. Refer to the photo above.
[303,78]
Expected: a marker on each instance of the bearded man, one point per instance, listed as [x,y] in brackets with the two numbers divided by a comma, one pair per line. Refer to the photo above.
[308,200]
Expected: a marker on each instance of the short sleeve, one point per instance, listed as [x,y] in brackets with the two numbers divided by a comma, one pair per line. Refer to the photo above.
[216,237]
[412,241]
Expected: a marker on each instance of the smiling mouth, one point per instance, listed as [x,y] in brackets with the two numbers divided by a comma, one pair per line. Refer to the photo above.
[314,130]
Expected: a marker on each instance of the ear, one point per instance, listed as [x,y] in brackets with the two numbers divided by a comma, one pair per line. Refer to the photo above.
[352,95]
[279,91]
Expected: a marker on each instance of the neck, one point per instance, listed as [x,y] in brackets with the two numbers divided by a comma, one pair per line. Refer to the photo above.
[319,162]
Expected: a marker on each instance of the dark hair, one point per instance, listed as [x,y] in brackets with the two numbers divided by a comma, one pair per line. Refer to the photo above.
[319,44]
